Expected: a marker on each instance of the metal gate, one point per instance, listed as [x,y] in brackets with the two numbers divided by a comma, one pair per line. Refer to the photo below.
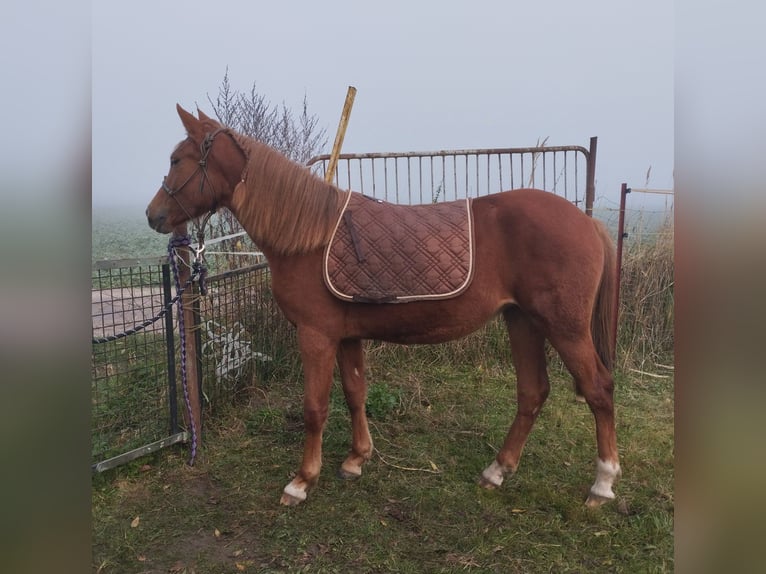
[133,379]
[429,177]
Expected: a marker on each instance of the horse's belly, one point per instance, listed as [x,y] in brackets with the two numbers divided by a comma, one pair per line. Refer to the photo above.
[425,323]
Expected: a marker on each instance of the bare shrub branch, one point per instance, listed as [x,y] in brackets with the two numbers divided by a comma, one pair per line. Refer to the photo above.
[299,138]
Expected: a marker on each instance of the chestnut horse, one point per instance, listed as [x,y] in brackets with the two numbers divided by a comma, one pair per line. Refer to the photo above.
[539,261]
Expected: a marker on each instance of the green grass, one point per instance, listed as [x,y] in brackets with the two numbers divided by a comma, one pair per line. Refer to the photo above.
[129,394]
[417,507]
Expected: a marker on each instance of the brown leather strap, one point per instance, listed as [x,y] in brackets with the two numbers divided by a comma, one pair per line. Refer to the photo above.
[354,236]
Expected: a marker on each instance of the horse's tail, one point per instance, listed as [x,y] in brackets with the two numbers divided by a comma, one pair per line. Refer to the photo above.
[604,307]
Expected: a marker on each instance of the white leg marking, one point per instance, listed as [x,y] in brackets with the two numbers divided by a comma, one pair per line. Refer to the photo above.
[606,473]
[494,474]
[295,492]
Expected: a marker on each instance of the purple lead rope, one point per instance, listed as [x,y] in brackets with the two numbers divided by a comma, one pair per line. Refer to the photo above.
[184,241]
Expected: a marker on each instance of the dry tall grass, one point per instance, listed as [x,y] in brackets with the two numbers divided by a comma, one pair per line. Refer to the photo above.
[646,316]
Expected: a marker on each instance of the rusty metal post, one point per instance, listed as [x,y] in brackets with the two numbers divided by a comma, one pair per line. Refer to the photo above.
[341,133]
[590,177]
[190,295]
[621,235]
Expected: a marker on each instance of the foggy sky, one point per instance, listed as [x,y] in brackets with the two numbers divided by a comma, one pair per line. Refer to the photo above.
[429,75]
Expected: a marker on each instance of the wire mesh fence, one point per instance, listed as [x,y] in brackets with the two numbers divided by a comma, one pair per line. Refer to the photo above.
[244,336]
[132,378]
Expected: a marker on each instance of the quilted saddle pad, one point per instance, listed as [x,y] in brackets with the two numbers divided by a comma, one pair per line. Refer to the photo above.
[386,253]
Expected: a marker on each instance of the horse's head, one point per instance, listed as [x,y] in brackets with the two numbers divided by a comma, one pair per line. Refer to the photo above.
[204,168]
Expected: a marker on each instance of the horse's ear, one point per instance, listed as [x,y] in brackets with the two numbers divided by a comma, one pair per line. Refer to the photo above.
[203,116]
[193,126]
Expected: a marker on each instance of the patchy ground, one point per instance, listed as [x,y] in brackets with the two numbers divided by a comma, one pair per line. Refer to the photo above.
[417,507]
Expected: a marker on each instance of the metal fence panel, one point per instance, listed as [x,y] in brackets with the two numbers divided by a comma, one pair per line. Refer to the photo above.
[428,177]
[132,378]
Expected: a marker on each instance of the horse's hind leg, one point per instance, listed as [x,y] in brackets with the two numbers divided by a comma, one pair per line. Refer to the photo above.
[528,353]
[351,365]
[595,383]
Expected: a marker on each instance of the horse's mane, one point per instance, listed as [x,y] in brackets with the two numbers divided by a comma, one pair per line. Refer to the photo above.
[290,208]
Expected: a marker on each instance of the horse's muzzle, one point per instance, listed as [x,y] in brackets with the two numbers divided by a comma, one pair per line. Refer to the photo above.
[157,221]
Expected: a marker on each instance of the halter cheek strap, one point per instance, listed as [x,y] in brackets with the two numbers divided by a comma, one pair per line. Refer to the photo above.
[205,147]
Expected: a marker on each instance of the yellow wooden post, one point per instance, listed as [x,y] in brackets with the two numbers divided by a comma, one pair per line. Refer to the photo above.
[340,134]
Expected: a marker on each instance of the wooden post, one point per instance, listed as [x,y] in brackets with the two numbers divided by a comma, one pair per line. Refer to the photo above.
[193,387]
[350,95]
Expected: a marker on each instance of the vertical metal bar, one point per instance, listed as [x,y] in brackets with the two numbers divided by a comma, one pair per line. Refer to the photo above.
[466,176]
[409,182]
[385,178]
[500,170]
[476,157]
[396,178]
[420,179]
[431,165]
[361,177]
[171,349]
[372,161]
[444,178]
[454,175]
[624,191]
[577,180]
[590,175]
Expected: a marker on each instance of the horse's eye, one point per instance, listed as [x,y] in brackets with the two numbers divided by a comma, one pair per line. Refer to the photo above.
[174,161]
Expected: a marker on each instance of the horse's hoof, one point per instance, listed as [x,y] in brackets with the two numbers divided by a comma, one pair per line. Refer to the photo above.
[348,474]
[292,496]
[492,477]
[290,500]
[486,484]
[595,500]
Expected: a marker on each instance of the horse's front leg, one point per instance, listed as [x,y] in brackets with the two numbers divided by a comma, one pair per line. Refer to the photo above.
[318,356]
[351,365]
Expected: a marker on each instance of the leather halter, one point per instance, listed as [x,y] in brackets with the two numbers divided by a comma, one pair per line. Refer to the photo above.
[205,147]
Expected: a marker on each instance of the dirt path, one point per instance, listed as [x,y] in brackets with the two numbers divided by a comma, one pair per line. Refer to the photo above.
[116,310]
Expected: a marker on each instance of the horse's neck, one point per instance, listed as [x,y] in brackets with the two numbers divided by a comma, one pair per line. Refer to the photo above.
[281,206]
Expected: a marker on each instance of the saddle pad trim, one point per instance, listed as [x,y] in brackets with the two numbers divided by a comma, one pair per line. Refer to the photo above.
[401,298]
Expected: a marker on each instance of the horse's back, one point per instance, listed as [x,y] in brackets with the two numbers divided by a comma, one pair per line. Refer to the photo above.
[539,240]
